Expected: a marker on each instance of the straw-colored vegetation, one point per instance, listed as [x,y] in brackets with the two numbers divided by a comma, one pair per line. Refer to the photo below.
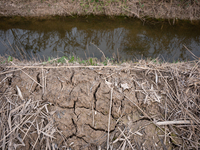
[167,9]
[65,104]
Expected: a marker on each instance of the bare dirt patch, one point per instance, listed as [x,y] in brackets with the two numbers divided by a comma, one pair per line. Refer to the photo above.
[69,108]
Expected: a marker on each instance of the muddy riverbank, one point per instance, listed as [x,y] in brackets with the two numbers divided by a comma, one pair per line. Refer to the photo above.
[139,105]
[189,10]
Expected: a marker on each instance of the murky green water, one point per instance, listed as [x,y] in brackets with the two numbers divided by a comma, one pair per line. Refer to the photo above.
[123,38]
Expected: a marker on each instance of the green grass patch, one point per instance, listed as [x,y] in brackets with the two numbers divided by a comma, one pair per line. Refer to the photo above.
[62,59]
[10,58]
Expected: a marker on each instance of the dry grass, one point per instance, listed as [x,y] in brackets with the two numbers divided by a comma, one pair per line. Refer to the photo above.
[25,121]
[180,106]
[168,9]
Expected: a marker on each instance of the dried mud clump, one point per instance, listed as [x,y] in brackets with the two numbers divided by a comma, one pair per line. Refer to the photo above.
[143,105]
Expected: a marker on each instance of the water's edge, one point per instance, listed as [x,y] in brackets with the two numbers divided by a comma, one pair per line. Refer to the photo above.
[86,37]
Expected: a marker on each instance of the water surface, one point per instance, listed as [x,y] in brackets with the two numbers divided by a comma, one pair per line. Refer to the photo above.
[119,38]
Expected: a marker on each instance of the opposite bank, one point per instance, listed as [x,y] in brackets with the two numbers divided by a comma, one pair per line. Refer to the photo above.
[187,10]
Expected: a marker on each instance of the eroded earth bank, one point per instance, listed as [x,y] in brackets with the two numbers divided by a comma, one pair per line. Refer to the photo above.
[74,107]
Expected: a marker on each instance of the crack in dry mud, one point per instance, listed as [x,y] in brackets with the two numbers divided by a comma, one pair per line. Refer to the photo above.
[81,99]
[98,129]
[98,95]
[94,95]
[71,78]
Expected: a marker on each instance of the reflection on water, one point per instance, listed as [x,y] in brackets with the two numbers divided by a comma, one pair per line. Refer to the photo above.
[125,38]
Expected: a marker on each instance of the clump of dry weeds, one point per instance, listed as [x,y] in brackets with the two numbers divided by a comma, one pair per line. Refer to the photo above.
[178,99]
[25,123]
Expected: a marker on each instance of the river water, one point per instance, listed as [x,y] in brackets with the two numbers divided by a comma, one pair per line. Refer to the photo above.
[85,37]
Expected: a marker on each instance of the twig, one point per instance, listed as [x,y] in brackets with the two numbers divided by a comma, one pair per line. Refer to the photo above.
[173,122]
[28,75]
[10,71]
[99,50]
[35,142]
[11,46]
[57,67]
[42,81]
[125,138]
[29,128]
[165,120]
[109,118]
[191,52]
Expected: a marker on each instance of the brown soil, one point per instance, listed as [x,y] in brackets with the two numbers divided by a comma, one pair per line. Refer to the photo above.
[77,104]
[167,9]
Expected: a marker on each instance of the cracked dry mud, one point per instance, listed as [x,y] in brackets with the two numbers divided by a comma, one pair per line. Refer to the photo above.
[81,99]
